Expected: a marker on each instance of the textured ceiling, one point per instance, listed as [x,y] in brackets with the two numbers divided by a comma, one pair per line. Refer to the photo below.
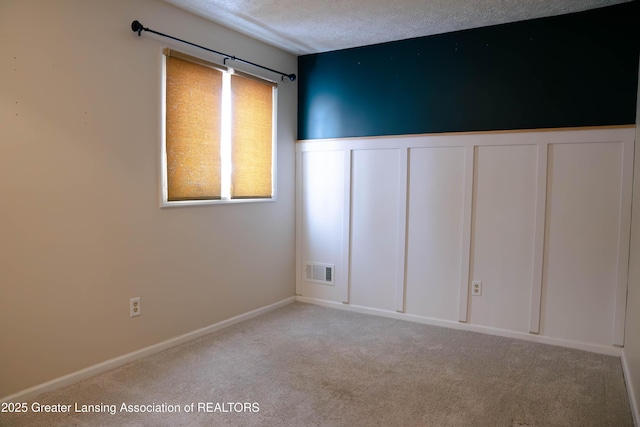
[312,26]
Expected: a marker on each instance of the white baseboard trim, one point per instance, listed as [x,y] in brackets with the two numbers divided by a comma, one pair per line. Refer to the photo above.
[130,357]
[633,399]
[593,348]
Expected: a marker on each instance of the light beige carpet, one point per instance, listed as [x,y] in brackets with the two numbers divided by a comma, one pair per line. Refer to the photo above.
[304,365]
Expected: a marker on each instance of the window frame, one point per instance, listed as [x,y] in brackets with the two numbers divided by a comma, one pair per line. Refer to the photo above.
[164,186]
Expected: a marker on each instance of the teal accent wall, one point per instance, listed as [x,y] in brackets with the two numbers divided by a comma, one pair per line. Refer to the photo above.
[571,70]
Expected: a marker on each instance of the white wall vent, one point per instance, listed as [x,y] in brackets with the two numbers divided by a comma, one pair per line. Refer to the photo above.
[319,273]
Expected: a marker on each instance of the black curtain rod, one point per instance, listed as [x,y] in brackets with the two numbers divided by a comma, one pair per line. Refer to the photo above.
[136,26]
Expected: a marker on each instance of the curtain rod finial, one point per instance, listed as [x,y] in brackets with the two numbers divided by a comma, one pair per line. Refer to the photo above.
[292,77]
[136,26]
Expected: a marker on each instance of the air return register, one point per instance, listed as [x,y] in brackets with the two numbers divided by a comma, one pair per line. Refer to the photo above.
[319,273]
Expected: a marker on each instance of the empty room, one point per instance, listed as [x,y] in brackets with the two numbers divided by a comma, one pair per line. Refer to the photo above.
[306,213]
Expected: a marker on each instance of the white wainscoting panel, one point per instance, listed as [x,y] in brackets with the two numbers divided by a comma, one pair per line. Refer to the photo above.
[538,246]
[434,238]
[374,228]
[503,235]
[542,218]
[401,236]
[624,241]
[581,242]
[463,284]
[323,181]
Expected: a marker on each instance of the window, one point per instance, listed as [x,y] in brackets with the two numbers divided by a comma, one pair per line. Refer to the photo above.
[219,133]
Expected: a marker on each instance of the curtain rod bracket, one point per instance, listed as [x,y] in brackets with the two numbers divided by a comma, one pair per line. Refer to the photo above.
[137,27]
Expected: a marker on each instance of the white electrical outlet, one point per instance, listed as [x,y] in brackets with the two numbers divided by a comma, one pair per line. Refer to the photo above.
[476,288]
[135,307]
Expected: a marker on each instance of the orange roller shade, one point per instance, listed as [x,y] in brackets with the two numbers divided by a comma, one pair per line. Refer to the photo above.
[193,106]
[251,138]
